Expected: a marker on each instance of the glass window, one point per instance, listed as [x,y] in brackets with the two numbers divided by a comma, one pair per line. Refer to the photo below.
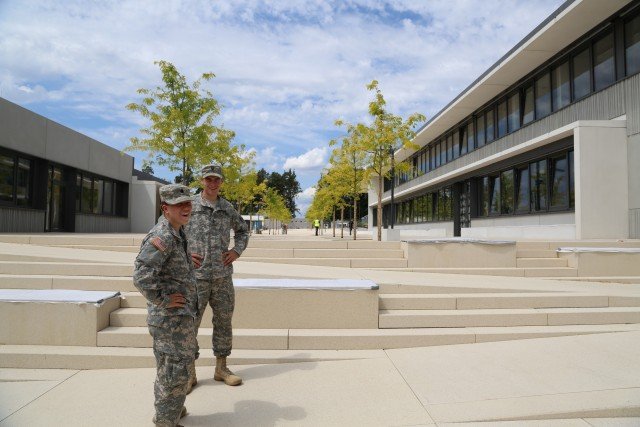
[470,138]
[604,70]
[438,153]
[443,152]
[581,74]
[558,168]
[444,204]
[79,192]
[480,132]
[6,178]
[23,182]
[494,188]
[528,113]
[462,140]
[97,195]
[632,45]
[432,157]
[522,185]
[108,198]
[86,194]
[572,189]
[560,86]
[543,96]
[514,112]
[490,121]
[429,207]
[484,196]
[502,119]
[506,193]
[449,148]
[538,186]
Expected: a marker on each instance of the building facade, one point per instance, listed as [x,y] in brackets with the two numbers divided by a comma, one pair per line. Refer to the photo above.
[545,144]
[55,179]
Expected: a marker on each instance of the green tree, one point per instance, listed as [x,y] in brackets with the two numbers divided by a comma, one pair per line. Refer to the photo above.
[181,115]
[388,133]
[285,183]
[146,167]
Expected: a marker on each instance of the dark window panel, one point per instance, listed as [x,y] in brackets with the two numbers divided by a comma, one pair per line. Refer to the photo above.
[480,131]
[491,125]
[514,112]
[108,198]
[522,186]
[528,113]
[572,182]
[23,182]
[470,143]
[502,119]
[581,74]
[632,45]
[494,203]
[558,167]
[449,149]
[484,196]
[86,194]
[506,192]
[7,169]
[604,70]
[538,186]
[543,96]
[560,89]
[462,140]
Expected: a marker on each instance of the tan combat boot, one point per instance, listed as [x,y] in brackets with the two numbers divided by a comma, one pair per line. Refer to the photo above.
[223,373]
[192,377]
[183,412]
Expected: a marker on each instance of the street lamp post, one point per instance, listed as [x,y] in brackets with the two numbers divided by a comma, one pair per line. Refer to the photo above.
[393,184]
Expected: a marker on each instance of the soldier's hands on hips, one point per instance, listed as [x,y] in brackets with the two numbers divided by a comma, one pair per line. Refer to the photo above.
[229,257]
[176,301]
[197,260]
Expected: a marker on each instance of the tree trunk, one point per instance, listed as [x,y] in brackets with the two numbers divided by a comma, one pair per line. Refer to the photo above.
[334,221]
[379,215]
[342,222]
[355,217]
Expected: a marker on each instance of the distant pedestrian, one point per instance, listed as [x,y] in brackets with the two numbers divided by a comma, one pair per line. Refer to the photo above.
[316,225]
[350,227]
[164,275]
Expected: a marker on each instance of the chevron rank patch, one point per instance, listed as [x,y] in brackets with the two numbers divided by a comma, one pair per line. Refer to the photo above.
[159,244]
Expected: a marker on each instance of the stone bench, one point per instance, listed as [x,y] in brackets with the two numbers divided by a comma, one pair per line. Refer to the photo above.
[606,261]
[54,317]
[304,304]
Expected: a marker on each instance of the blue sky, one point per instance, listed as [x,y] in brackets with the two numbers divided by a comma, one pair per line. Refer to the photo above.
[285,70]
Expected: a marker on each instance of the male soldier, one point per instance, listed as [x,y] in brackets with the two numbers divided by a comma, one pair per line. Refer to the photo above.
[209,234]
[164,274]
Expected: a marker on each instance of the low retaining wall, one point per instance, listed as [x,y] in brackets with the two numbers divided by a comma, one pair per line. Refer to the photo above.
[596,262]
[453,253]
[58,317]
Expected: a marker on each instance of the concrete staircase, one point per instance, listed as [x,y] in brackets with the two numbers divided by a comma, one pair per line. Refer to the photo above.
[410,315]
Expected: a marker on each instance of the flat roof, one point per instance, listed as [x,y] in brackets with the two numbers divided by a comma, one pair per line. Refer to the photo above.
[569,22]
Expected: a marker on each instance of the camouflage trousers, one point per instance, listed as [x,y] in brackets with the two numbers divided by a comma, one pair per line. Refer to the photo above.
[220,295]
[174,346]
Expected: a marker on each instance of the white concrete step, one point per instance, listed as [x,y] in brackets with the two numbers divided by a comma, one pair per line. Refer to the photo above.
[321,253]
[84,283]
[507,317]
[492,301]
[541,262]
[494,271]
[536,253]
[113,248]
[334,262]
[70,357]
[66,268]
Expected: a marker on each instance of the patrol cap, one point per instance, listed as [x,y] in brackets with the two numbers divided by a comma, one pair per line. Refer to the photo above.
[211,170]
[173,194]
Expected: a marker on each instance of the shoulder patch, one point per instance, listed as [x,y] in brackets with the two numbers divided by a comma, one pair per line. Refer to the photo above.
[159,244]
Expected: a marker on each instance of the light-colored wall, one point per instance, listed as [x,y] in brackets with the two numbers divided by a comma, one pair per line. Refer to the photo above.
[526,227]
[30,133]
[144,205]
[602,180]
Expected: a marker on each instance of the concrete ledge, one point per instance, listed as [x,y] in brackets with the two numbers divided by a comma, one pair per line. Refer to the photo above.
[54,317]
[456,253]
[591,261]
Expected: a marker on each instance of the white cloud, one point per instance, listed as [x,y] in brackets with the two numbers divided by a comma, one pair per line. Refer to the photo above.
[310,160]
[284,70]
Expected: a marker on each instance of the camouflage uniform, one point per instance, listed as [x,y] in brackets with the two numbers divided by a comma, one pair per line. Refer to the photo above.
[208,232]
[164,267]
